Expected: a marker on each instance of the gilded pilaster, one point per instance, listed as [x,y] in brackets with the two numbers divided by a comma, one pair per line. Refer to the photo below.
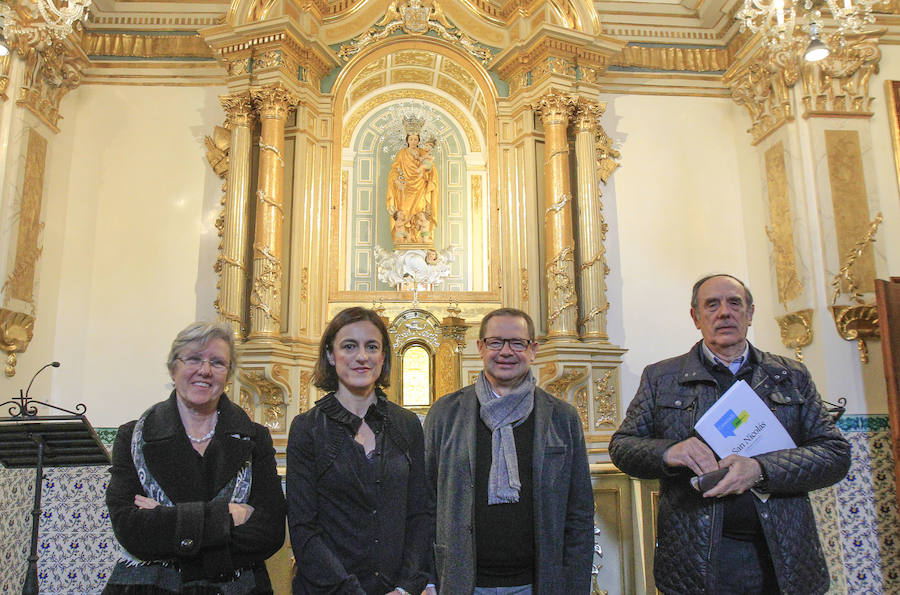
[559,247]
[592,227]
[231,264]
[273,104]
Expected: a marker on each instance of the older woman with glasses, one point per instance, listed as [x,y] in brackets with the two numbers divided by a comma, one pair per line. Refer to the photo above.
[358,510]
[194,496]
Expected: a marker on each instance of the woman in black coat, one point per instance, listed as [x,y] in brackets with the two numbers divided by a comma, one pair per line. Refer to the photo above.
[358,509]
[194,496]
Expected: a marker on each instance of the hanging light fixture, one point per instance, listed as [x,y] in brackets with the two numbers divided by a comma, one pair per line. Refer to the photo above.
[816,50]
[43,19]
[778,20]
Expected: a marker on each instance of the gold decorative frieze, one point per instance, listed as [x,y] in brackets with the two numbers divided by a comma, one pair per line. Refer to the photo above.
[781,232]
[606,408]
[581,405]
[415,17]
[680,59]
[19,283]
[137,45]
[16,331]
[839,84]
[796,330]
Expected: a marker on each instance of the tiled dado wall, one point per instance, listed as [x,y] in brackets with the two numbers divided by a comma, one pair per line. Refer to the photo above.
[858,522]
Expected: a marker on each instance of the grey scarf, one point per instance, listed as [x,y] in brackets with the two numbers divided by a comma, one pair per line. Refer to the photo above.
[501,415]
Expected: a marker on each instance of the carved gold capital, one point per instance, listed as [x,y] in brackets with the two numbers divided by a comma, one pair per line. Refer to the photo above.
[839,84]
[238,109]
[587,115]
[274,102]
[16,331]
[857,323]
[51,71]
[796,330]
[555,108]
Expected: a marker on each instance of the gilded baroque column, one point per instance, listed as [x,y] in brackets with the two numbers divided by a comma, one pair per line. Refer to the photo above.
[231,264]
[273,104]
[559,246]
[591,224]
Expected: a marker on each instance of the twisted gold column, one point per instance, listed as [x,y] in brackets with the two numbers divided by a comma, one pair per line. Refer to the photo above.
[273,104]
[559,245]
[591,224]
[231,264]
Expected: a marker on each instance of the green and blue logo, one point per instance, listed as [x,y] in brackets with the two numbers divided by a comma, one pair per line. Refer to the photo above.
[729,422]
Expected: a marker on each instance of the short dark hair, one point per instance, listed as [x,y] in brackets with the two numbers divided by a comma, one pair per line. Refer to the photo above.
[696,289]
[507,312]
[324,374]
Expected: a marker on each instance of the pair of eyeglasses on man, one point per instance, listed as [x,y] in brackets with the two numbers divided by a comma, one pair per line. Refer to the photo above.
[496,343]
[194,362]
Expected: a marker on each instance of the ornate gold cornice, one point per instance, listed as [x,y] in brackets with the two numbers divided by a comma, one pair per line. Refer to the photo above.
[269,51]
[796,330]
[551,52]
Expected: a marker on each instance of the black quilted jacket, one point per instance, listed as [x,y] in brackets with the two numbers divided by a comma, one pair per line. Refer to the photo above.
[673,394]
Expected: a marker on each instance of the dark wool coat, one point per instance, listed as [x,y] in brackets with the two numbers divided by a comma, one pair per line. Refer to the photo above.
[672,396]
[195,532]
[563,498]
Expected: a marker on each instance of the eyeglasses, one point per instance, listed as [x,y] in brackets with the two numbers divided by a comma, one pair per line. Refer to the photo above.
[195,362]
[496,343]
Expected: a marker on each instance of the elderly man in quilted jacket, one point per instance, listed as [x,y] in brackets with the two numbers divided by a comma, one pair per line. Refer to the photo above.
[727,540]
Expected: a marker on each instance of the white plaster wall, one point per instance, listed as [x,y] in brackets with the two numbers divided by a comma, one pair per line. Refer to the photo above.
[675,213]
[135,204]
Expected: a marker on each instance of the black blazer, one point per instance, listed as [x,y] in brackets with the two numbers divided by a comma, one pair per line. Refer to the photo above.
[197,533]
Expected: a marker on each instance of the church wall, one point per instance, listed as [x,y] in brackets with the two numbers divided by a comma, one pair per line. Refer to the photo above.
[130,234]
[675,213]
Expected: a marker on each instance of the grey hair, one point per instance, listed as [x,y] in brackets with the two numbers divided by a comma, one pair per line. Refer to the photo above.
[696,289]
[203,333]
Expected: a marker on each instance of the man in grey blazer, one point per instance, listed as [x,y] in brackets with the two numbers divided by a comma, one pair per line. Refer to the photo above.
[509,472]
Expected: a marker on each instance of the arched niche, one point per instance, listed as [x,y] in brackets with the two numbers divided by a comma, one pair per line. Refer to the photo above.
[460,90]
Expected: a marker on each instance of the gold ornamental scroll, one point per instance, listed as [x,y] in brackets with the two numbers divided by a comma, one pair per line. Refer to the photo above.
[232,263]
[559,246]
[849,201]
[591,225]
[273,104]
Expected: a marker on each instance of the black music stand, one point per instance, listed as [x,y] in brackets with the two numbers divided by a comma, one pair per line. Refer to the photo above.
[31,440]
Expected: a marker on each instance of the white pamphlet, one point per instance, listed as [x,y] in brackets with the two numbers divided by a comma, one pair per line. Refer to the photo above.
[740,423]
